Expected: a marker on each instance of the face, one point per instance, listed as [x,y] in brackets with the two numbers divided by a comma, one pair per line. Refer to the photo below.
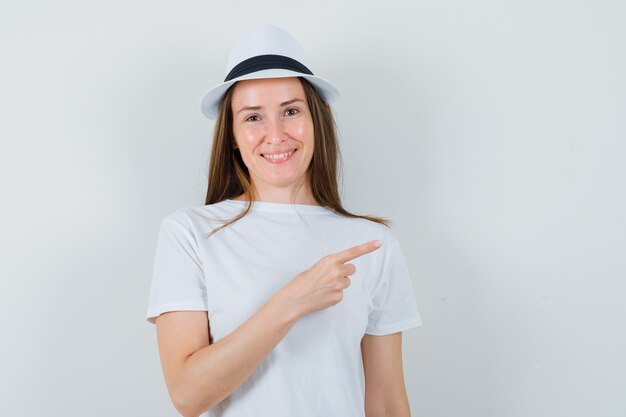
[271,117]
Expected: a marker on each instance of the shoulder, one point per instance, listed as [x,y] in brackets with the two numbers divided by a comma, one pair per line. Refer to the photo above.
[199,218]
[181,216]
[364,227]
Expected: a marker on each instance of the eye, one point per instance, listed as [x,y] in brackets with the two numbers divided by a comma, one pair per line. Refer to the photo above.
[249,117]
[294,110]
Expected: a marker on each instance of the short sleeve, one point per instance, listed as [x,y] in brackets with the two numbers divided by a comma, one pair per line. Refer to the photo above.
[394,304]
[177,276]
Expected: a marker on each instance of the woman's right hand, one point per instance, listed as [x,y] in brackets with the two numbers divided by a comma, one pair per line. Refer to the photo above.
[322,285]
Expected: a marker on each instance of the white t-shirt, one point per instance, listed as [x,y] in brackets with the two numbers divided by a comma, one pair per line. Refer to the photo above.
[316,369]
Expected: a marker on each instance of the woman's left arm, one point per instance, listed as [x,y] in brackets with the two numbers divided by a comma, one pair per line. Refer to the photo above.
[385,393]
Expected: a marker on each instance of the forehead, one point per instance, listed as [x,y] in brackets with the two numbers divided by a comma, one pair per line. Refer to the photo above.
[267,90]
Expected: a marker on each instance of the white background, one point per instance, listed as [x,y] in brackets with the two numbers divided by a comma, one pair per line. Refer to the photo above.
[490,132]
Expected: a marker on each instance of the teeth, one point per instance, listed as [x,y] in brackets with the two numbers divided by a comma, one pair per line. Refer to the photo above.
[278,156]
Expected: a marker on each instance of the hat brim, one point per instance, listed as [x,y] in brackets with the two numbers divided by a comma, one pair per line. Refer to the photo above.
[211,100]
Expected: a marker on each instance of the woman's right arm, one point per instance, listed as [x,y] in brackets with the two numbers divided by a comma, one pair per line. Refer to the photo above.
[199,375]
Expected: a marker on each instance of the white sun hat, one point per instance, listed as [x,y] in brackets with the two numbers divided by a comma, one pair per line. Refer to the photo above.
[265,51]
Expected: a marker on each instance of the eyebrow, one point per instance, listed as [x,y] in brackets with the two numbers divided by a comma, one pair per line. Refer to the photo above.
[284,103]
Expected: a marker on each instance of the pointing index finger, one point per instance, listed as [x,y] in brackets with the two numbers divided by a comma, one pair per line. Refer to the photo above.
[358,250]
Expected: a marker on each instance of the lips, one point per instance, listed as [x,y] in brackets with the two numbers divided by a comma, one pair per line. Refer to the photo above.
[279,160]
[279,151]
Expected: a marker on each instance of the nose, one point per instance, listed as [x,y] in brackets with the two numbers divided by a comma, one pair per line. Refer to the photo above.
[275,131]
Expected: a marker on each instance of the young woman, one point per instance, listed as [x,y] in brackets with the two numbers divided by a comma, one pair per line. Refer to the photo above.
[271,299]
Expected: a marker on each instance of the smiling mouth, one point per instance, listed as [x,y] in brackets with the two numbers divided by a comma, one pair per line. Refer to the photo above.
[278,156]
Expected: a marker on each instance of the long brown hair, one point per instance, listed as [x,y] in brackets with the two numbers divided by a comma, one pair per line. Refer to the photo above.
[229,176]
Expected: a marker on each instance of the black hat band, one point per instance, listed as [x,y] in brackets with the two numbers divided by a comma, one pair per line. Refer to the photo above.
[263,62]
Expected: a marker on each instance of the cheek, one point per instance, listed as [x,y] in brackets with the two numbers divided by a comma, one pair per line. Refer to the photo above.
[246,137]
[302,130]
[309,134]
